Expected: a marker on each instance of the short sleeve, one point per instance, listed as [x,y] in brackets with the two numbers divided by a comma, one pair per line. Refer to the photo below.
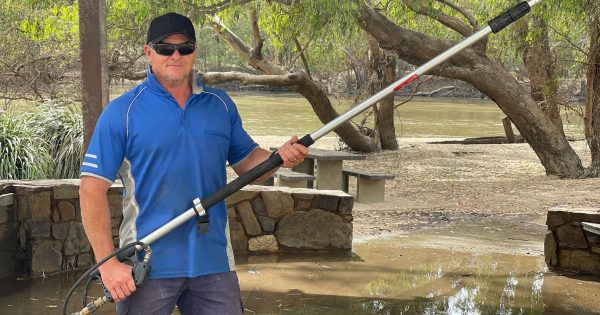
[106,150]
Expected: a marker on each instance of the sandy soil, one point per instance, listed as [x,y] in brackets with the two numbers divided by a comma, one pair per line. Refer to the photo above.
[440,184]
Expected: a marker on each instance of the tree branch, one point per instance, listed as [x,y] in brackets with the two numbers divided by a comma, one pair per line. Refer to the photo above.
[27,81]
[446,20]
[241,48]
[16,98]
[463,12]
[217,7]
[568,40]
[256,52]
[247,78]
[422,47]
[302,57]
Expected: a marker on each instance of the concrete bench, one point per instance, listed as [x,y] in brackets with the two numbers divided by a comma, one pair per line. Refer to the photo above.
[591,227]
[289,178]
[370,186]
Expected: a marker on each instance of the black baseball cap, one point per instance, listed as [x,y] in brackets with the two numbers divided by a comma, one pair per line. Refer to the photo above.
[168,24]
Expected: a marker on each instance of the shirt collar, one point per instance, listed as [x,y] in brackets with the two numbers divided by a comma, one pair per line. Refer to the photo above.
[197,86]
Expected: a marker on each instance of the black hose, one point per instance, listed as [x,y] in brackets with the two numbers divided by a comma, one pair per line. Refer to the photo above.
[93,268]
[84,297]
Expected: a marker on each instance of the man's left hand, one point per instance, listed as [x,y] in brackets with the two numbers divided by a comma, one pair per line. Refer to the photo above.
[292,153]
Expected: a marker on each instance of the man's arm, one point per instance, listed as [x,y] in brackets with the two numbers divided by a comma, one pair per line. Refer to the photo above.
[95,216]
[291,153]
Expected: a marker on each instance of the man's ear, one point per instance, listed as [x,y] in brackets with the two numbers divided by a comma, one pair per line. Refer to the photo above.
[148,53]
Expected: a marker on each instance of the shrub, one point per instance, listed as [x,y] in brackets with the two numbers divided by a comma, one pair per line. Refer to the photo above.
[44,142]
[23,155]
[62,128]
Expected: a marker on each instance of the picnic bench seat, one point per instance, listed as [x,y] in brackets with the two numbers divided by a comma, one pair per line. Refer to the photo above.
[289,178]
[370,186]
[591,227]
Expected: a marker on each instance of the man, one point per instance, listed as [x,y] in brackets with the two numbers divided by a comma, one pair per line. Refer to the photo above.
[169,139]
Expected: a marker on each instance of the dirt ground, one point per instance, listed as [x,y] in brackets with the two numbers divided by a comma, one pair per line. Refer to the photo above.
[439,184]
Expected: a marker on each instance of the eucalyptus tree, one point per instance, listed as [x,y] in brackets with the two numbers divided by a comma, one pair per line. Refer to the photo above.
[592,115]
[288,41]
[307,44]
[575,28]
[39,49]
[386,21]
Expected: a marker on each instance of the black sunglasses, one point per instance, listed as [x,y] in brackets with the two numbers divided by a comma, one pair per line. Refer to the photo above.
[169,49]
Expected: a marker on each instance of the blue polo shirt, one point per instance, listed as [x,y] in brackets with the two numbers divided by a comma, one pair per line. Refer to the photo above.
[166,157]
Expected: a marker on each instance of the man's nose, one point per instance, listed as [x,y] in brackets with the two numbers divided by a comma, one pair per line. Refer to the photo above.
[176,55]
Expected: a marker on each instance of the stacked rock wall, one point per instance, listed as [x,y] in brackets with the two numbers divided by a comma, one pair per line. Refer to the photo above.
[41,231]
[567,247]
[280,219]
[9,254]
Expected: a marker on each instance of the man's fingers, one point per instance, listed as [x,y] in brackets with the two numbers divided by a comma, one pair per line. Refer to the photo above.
[131,286]
[292,153]
[117,294]
[286,155]
[300,148]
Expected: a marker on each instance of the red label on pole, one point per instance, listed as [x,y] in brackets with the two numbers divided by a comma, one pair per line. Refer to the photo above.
[403,84]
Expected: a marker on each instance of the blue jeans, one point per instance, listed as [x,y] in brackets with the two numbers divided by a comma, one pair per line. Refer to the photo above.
[204,295]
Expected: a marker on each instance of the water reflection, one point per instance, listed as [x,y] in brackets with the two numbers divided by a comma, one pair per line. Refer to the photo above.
[450,290]
[382,277]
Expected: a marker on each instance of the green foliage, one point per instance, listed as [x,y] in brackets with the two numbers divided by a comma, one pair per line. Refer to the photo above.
[22,153]
[59,21]
[62,128]
[45,142]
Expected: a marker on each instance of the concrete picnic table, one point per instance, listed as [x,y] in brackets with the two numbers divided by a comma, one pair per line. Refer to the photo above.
[328,166]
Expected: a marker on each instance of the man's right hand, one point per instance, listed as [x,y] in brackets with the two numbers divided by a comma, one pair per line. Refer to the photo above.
[117,278]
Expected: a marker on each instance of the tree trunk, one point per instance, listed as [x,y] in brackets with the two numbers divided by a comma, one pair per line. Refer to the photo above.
[592,117]
[489,77]
[375,75]
[94,72]
[322,106]
[382,72]
[539,61]
[385,118]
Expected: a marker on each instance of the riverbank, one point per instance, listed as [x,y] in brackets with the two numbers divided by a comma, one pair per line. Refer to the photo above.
[437,185]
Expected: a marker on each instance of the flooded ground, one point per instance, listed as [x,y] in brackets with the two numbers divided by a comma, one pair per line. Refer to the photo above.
[449,239]
[486,267]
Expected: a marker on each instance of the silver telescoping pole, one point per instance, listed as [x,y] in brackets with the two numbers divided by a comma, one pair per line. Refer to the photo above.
[197,210]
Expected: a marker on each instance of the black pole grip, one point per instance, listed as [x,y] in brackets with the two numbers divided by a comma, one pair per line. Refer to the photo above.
[249,177]
[505,19]
[306,141]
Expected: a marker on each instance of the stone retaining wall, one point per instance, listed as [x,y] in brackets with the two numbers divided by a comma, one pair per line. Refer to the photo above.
[567,247]
[41,231]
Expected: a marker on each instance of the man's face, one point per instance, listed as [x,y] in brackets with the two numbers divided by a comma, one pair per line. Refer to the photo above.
[171,70]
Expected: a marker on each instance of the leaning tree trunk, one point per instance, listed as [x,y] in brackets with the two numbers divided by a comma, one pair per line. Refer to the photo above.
[489,77]
[592,117]
[539,61]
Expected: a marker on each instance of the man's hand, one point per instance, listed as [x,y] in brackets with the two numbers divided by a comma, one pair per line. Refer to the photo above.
[292,153]
[117,278]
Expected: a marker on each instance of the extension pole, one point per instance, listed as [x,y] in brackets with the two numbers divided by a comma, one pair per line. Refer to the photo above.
[201,205]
